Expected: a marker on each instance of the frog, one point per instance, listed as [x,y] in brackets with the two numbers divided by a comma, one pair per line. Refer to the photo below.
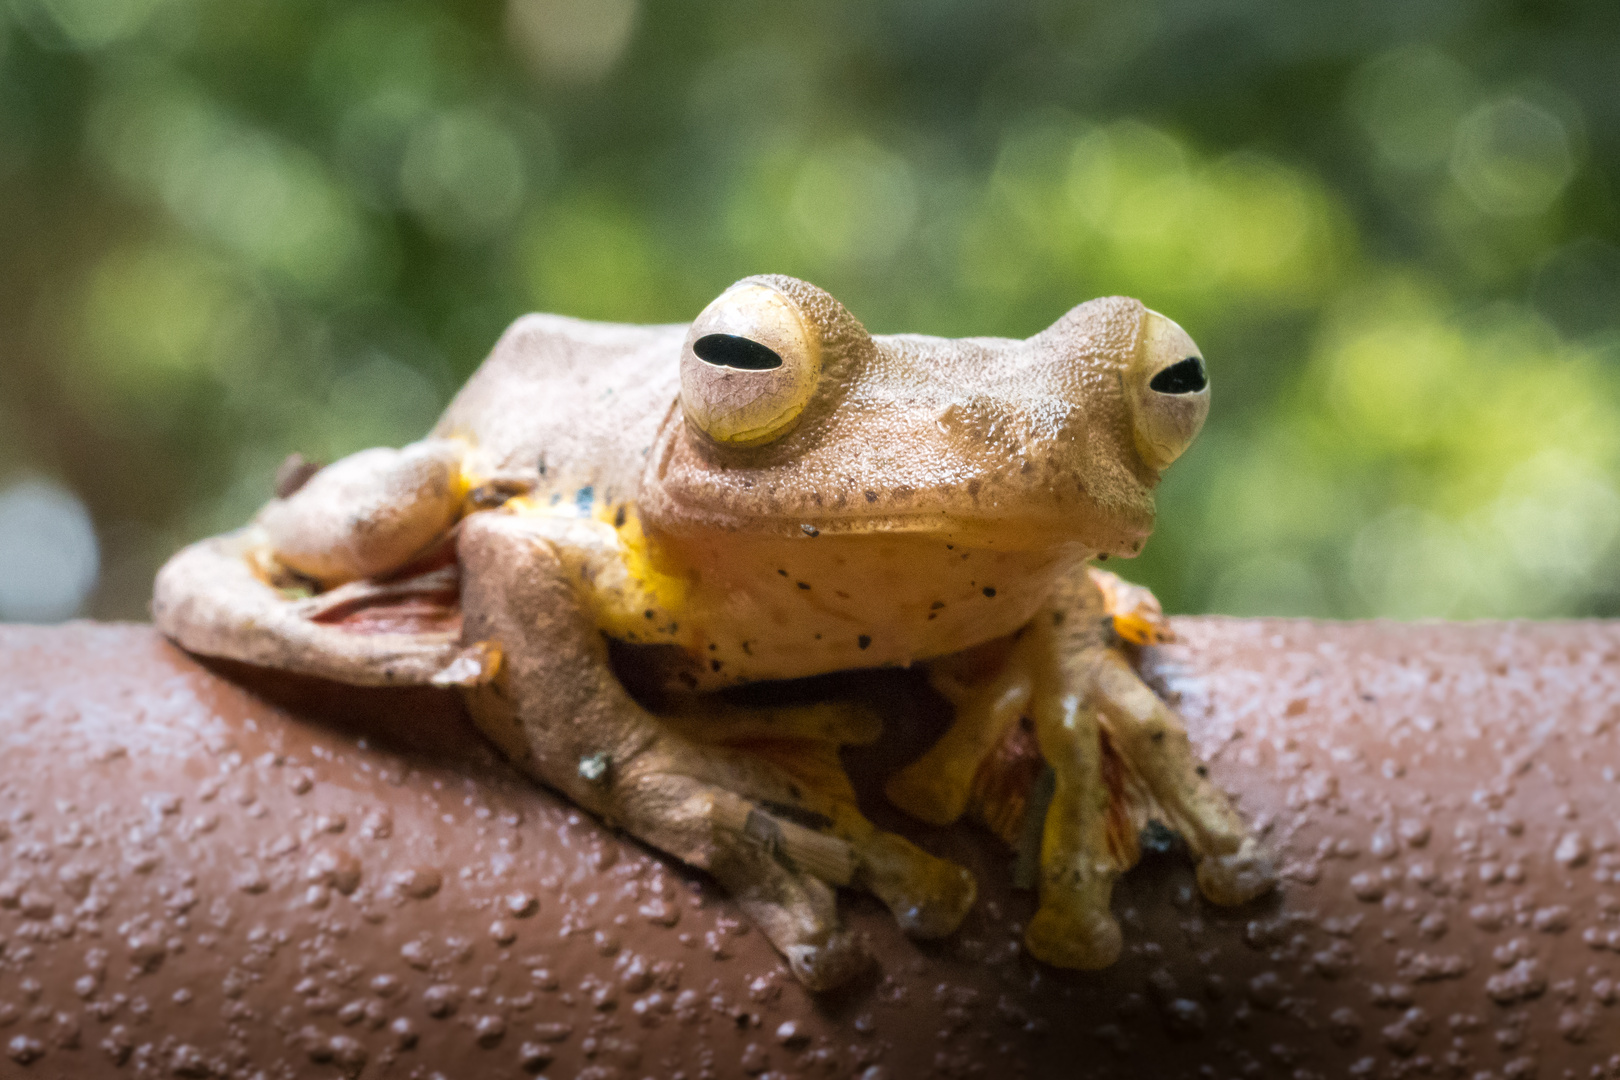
[771,493]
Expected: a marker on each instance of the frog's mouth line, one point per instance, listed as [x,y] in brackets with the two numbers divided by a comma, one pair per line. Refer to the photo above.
[1010,533]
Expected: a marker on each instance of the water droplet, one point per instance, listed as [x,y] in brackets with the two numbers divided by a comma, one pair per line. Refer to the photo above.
[1414,832]
[146,951]
[251,879]
[336,868]
[25,1050]
[441,1000]
[1574,1025]
[754,1059]
[1344,1026]
[1265,990]
[1551,920]
[489,1030]
[417,882]
[416,954]
[1572,850]
[348,1054]
[36,905]
[404,1032]
[534,1057]
[1185,1018]
[378,825]
[1520,982]
[1367,887]
[521,905]
[660,912]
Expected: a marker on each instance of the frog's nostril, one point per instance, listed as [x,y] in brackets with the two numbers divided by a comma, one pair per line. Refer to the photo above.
[1184,377]
[732,351]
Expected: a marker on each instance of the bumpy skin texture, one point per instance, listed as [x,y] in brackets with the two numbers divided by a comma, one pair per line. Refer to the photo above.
[918,500]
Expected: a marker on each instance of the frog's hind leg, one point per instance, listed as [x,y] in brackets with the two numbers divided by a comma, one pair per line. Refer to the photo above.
[209,600]
[348,574]
[776,838]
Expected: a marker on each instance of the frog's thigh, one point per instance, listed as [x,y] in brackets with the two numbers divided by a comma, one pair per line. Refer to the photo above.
[561,714]
[368,513]
[1232,867]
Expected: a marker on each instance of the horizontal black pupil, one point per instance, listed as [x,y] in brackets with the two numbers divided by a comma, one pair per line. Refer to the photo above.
[1185,377]
[729,350]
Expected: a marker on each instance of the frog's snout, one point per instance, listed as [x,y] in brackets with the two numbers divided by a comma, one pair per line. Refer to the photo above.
[1168,388]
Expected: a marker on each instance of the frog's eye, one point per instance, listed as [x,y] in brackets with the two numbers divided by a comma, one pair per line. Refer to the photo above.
[749,367]
[1183,377]
[1169,391]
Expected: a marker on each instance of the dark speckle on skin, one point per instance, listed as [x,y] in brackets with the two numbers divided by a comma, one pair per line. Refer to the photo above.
[864,640]
[871,496]
[618,518]
[936,605]
[782,572]
[990,590]
[803,584]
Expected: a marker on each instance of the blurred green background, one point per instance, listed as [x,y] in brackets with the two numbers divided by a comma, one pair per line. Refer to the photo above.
[232,229]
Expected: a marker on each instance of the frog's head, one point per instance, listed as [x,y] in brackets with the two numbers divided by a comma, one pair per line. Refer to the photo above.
[794,419]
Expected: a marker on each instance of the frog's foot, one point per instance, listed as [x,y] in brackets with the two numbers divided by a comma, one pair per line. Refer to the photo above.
[1062,698]
[928,896]
[783,875]
[1233,867]
[400,632]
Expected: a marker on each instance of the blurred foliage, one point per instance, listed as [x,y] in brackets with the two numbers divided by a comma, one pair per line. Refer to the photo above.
[231,229]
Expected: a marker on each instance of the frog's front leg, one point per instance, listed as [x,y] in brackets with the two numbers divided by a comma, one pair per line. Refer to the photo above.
[778,840]
[1118,756]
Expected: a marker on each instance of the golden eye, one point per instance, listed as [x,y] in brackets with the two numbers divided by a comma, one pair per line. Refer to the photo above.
[749,367]
[1169,390]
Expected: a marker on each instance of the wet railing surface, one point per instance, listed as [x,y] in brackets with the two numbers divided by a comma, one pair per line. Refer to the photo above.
[210,871]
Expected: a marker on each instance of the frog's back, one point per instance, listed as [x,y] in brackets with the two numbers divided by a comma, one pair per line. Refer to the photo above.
[579,402]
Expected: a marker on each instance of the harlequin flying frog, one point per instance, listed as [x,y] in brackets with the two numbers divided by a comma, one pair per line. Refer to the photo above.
[767,493]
